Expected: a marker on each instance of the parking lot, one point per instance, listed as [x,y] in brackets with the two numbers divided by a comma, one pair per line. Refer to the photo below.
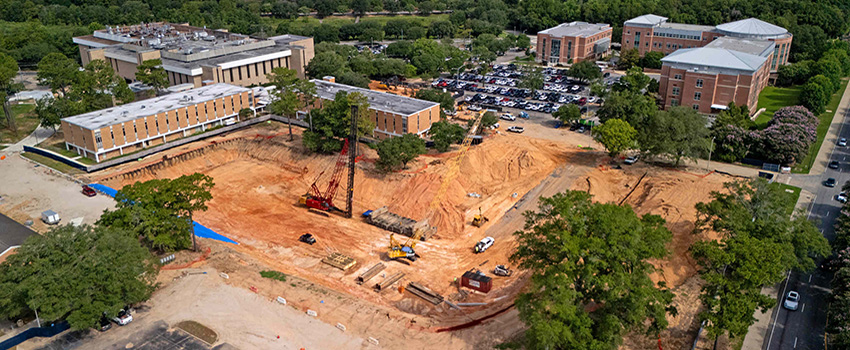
[498,88]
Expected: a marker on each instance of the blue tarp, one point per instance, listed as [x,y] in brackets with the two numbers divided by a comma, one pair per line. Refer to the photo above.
[200,230]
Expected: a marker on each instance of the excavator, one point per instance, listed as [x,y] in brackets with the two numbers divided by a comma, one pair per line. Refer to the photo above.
[479,219]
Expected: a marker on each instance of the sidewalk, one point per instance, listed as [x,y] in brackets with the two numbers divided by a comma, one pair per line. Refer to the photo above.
[733,169]
[832,135]
[38,135]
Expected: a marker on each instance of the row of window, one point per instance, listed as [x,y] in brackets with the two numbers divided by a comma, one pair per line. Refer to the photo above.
[697,95]
[99,140]
[674,102]
[679,36]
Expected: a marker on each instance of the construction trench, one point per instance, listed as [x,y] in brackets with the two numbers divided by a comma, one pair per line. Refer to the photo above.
[259,176]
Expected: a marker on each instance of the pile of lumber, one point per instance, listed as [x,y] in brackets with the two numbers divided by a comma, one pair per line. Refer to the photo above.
[388,282]
[392,222]
[339,261]
[424,293]
[371,272]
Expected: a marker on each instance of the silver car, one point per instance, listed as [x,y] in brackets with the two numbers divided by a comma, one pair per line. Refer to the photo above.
[792,301]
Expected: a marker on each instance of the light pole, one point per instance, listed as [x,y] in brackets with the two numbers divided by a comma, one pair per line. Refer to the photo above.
[711,148]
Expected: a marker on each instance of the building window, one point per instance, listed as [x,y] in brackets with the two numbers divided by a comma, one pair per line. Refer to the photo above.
[98,140]
[677,76]
[256,69]
[675,91]
[248,70]
[238,70]
[674,102]
[231,75]
[697,96]
[699,83]
[555,51]
[696,107]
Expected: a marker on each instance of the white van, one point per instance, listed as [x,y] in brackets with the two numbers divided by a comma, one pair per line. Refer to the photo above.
[50,217]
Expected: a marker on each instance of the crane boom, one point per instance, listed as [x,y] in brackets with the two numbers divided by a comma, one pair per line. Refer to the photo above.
[324,200]
[454,163]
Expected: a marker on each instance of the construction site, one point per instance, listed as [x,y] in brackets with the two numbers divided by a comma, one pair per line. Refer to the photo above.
[433,287]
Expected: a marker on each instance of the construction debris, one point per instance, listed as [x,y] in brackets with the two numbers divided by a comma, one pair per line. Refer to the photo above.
[389,281]
[339,261]
[425,293]
[371,272]
[392,222]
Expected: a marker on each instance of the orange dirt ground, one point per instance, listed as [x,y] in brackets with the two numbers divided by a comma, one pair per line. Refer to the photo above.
[258,182]
[259,179]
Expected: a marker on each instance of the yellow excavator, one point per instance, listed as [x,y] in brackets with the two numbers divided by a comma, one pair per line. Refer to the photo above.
[479,219]
[397,250]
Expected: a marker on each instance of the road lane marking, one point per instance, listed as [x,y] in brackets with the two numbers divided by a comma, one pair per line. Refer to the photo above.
[778,309]
[795,342]
[804,308]
[810,275]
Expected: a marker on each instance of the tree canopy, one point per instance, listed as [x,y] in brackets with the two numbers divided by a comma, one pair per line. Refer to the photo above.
[679,132]
[590,273]
[567,113]
[394,153]
[616,135]
[331,124]
[160,210]
[76,274]
[152,73]
[585,71]
[444,134]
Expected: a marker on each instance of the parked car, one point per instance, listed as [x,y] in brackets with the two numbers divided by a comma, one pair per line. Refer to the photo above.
[842,142]
[841,197]
[833,164]
[830,182]
[123,318]
[516,129]
[581,129]
[508,116]
[104,324]
[474,108]
[483,244]
[50,217]
[792,301]
[88,191]
[307,238]
[631,160]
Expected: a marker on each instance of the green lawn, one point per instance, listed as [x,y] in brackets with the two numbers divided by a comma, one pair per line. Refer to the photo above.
[790,198]
[773,98]
[25,120]
[65,168]
[805,165]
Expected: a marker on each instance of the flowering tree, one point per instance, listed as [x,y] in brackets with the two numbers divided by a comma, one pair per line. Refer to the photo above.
[732,143]
[788,136]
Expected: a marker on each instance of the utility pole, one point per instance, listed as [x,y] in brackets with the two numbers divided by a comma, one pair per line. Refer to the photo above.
[352,155]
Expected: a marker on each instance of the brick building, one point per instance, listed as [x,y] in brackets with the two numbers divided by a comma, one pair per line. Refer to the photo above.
[112,132]
[195,55]
[653,33]
[573,42]
[708,78]
[393,115]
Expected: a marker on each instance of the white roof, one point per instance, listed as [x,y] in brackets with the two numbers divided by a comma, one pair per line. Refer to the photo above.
[752,27]
[135,110]
[715,57]
[647,20]
[576,29]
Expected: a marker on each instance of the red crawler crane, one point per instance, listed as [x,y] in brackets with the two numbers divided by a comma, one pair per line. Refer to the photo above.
[324,201]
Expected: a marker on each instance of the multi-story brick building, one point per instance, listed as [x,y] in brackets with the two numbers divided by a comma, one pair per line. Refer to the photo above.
[653,33]
[195,55]
[393,115]
[708,78]
[573,42]
[112,132]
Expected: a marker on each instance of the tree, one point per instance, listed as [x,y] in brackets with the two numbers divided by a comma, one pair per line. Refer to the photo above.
[795,73]
[325,8]
[634,81]
[616,135]
[348,77]
[325,64]
[443,98]
[57,71]
[814,96]
[326,33]
[50,111]
[632,107]
[679,132]
[331,124]
[98,87]
[532,79]
[587,287]
[8,70]
[444,134]
[396,152]
[292,94]
[567,113]
[585,71]
[652,60]
[734,115]
[396,27]
[359,7]
[151,73]
[76,274]
[487,120]
[760,241]
[160,211]
[628,59]
[441,29]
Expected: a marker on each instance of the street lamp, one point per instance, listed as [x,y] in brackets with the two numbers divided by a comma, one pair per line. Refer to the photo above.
[711,148]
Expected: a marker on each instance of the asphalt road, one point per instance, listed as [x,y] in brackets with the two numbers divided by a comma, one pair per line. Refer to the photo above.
[804,328]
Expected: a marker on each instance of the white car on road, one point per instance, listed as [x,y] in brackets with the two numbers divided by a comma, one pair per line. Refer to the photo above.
[508,116]
[792,301]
